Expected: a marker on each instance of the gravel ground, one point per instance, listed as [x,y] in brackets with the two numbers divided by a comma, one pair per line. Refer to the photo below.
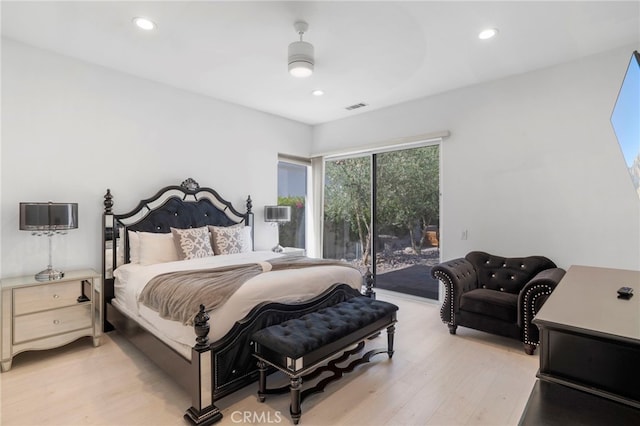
[400,259]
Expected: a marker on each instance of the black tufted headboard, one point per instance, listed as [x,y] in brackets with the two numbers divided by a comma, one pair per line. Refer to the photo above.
[184,206]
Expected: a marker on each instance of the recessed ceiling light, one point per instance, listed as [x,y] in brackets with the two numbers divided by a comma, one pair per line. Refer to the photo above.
[488,33]
[144,23]
[317,92]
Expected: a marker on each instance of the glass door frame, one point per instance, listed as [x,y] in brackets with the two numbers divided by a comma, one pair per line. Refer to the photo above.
[372,154]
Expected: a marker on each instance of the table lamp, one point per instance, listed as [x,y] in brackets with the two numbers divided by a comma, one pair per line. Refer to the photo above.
[48,219]
[277,215]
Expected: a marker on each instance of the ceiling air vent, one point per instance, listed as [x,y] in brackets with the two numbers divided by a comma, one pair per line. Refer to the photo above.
[356,106]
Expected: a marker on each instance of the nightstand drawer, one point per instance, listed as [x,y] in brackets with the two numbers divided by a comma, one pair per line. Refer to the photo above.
[49,323]
[49,296]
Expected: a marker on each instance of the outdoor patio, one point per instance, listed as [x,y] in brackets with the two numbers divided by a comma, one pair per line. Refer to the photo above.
[408,273]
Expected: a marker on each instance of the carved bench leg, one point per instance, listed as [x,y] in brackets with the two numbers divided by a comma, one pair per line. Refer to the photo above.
[262,381]
[391,330]
[294,409]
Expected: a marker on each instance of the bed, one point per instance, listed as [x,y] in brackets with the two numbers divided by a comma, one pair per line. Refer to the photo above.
[207,348]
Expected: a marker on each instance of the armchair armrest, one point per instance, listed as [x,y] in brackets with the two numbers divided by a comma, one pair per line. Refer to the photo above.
[532,297]
[458,276]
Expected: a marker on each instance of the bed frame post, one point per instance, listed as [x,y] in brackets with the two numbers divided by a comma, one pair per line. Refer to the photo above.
[369,283]
[248,219]
[107,288]
[202,411]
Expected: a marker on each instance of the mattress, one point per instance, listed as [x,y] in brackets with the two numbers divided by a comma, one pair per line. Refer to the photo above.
[284,286]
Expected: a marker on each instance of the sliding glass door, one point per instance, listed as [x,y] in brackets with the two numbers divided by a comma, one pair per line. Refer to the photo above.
[381,212]
[407,192]
[347,211]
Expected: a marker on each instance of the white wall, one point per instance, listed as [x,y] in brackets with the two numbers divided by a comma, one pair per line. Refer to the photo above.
[70,130]
[532,165]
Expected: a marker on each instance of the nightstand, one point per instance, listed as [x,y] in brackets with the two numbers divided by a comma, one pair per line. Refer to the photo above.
[40,315]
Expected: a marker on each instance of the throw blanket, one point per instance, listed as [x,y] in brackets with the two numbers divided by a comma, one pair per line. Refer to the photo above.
[178,295]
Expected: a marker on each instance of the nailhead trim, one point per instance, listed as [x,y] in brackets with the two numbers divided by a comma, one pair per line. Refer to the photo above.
[546,291]
[448,296]
[448,299]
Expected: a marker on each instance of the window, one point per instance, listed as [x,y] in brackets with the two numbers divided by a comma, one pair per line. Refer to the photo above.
[292,191]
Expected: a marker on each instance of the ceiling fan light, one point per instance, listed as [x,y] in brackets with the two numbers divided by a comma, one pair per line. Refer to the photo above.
[301,59]
[301,69]
[144,23]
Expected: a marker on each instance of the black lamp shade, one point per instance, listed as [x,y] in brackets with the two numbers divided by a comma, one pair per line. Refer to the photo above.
[48,216]
[277,213]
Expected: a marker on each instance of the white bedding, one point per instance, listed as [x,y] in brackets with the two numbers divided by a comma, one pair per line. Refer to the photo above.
[285,286]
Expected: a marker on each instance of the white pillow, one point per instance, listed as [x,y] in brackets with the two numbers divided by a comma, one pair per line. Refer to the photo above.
[192,243]
[157,248]
[134,247]
[124,272]
[231,239]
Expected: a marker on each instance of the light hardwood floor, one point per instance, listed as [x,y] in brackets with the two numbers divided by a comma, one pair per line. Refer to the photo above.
[434,378]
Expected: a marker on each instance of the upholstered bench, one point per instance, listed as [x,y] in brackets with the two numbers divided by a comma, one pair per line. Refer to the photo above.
[301,347]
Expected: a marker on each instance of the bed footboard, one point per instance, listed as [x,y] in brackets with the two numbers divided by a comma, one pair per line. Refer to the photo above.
[223,367]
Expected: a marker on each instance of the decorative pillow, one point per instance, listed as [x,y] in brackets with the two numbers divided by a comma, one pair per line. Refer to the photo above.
[231,239]
[134,247]
[157,248]
[192,243]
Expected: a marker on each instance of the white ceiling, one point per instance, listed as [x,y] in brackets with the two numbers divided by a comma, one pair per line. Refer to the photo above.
[379,53]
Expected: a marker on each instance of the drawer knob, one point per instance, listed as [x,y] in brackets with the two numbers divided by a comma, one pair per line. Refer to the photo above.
[56,322]
[55,296]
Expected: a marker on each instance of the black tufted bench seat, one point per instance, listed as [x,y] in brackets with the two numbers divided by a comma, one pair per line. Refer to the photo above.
[299,346]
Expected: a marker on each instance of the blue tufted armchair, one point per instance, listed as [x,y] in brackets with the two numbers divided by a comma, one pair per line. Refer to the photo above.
[499,295]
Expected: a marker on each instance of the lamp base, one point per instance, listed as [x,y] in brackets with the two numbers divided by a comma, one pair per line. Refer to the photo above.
[278,249]
[49,274]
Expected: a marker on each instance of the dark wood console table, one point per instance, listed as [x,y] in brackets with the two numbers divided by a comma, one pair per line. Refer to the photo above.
[589,350]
